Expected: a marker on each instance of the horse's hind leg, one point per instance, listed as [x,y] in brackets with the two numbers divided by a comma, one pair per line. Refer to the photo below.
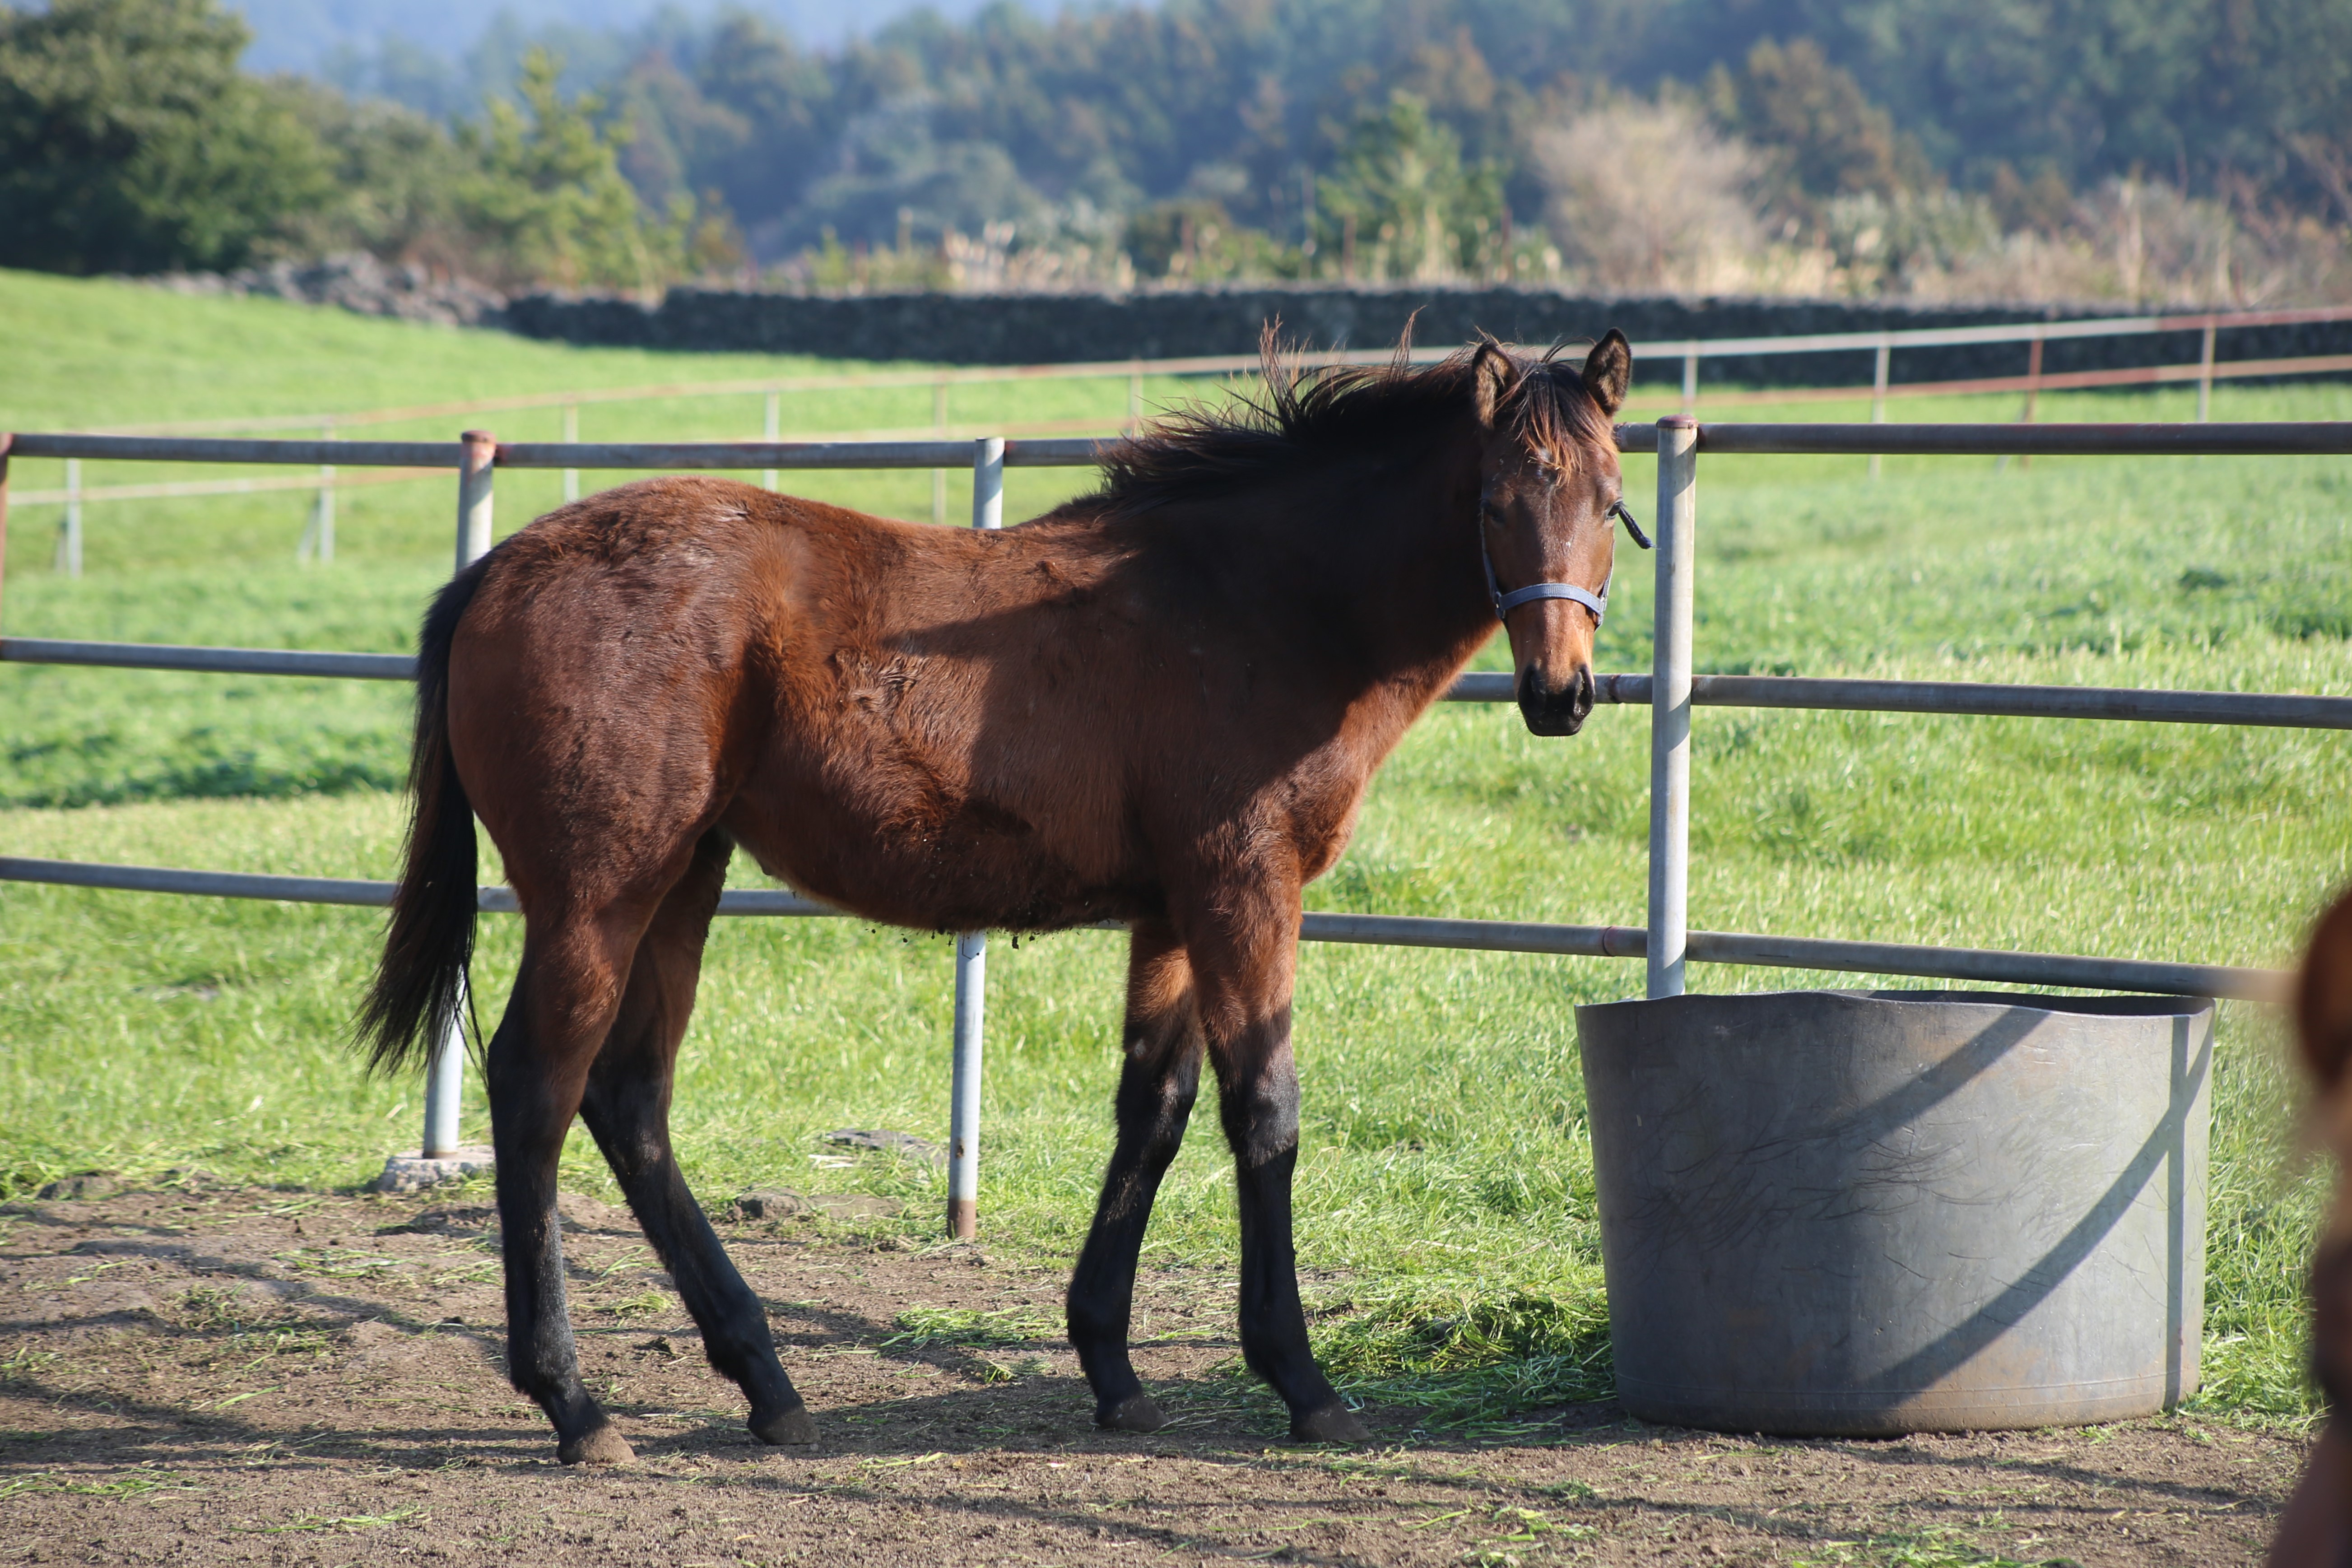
[627,1108]
[565,995]
[1155,1099]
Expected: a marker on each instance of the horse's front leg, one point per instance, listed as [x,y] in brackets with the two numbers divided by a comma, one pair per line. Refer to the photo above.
[1244,960]
[1156,1088]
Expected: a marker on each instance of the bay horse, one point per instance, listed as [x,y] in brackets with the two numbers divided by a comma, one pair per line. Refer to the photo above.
[2316,1531]
[1160,704]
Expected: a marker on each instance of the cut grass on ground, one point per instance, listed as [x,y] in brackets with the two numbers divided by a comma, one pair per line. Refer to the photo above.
[1446,1179]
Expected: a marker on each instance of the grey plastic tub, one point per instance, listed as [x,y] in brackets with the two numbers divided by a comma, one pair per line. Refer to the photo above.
[1871,1213]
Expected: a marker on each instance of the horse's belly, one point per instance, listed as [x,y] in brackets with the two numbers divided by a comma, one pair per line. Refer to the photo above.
[904,856]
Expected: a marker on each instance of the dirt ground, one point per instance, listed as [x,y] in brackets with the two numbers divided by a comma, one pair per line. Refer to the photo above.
[240,1376]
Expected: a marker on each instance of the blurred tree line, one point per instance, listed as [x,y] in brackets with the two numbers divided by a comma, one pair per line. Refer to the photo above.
[130,141]
[1866,146]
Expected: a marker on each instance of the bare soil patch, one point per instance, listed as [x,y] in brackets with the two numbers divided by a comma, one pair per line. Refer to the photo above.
[243,1376]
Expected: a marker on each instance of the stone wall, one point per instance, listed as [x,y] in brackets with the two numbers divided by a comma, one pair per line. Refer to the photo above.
[1042,329]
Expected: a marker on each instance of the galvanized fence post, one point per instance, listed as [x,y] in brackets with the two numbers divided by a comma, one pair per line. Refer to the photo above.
[318,539]
[6,440]
[2205,376]
[963,1110]
[69,535]
[327,503]
[771,429]
[971,946]
[1879,368]
[1670,703]
[940,476]
[444,1071]
[2032,392]
[570,436]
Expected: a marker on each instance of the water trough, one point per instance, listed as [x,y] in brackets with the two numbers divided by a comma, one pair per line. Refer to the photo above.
[1849,1212]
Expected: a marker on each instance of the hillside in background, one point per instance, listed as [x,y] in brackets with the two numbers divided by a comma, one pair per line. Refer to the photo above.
[2191,151]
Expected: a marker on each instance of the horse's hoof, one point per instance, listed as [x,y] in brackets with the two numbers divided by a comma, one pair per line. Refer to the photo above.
[598,1445]
[1136,1413]
[793,1427]
[1335,1423]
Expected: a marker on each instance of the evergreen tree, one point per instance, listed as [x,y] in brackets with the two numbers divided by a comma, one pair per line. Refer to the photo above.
[130,141]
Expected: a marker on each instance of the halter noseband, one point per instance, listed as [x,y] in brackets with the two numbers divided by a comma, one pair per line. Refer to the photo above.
[1597,602]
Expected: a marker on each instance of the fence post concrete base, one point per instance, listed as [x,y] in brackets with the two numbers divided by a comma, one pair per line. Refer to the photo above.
[412,1172]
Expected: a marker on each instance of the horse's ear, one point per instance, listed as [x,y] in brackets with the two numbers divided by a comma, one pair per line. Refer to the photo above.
[1492,374]
[1608,370]
[2323,1003]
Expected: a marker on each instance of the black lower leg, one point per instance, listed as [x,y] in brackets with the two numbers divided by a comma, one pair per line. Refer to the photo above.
[733,1323]
[1155,1100]
[1260,1109]
[626,1106]
[541,1359]
[1273,1319]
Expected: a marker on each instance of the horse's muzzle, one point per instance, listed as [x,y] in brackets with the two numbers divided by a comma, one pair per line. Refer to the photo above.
[1555,709]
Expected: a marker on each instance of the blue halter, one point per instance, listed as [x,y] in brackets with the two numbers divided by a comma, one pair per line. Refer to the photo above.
[1597,602]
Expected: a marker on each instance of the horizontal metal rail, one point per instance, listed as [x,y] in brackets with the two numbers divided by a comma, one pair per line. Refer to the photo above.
[1068,452]
[1997,700]
[1984,698]
[1980,698]
[1997,333]
[2048,381]
[216,660]
[2326,438]
[1072,452]
[1229,364]
[822,450]
[216,449]
[179,489]
[1976,964]
[1098,431]
[1476,936]
[346,890]
[2305,437]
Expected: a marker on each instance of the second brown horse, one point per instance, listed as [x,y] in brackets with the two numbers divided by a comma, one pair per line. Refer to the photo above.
[1160,704]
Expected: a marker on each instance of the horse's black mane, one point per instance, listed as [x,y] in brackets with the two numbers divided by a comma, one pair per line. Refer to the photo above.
[1300,418]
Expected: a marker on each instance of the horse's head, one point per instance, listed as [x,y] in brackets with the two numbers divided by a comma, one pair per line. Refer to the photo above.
[1548,496]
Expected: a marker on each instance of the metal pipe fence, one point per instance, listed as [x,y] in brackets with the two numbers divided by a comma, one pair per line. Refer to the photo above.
[1671,689]
[1689,351]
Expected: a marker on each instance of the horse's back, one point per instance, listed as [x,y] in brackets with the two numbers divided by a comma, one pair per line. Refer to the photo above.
[932,727]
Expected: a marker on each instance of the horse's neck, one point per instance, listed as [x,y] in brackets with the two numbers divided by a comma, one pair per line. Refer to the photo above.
[1409,553]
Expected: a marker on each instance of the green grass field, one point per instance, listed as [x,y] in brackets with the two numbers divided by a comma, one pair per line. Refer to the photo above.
[1445,1187]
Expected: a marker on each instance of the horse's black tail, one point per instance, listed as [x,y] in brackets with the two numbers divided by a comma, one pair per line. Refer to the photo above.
[420,985]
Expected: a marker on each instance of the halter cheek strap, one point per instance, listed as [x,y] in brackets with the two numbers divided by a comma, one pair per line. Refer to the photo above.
[1597,602]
